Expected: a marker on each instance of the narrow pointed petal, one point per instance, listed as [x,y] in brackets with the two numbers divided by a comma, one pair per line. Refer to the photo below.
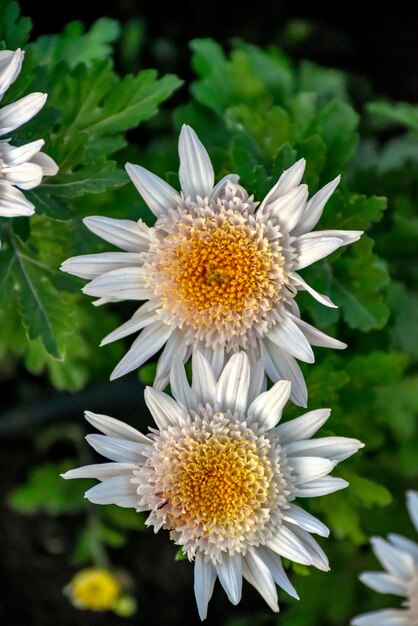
[13,203]
[288,545]
[115,428]
[319,297]
[158,194]
[92,265]
[126,283]
[117,490]
[383,583]
[384,617]
[282,366]
[165,411]
[232,388]
[287,181]
[310,248]
[215,356]
[18,113]
[412,505]
[196,171]
[10,66]
[315,207]
[230,576]
[116,449]
[286,334]
[176,345]
[203,379]
[125,234]
[274,563]
[144,316]
[48,165]
[405,545]
[303,427]
[348,236]
[318,556]
[333,448]
[287,209]
[398,563]
[308,468]
[151,339]
[267,407]
[258,380]
[219,187]
[295,515]
[101,471]
[258,575]
[24,176]
[321,487]
[317,337]
[22,154]
[180,387]
[204,582]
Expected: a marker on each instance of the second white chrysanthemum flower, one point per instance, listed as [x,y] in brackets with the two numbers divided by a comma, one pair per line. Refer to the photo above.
[221,476]
[220,275]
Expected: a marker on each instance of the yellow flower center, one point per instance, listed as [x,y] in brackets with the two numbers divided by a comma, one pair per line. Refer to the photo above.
[95,589]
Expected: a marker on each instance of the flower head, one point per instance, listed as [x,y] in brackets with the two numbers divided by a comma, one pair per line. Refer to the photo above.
[399,557]
[219,274]
[21,167]
[94,588]
[222,477]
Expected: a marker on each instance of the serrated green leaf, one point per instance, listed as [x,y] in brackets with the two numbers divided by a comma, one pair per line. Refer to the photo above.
[352,212]
[365,492]
[14,29]
[88,179]
[401,113]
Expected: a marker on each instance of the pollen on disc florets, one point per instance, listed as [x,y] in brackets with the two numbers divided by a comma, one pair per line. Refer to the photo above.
[218,484]
[217,271]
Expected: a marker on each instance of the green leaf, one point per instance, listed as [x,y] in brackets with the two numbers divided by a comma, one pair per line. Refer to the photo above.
[89,179]
[365,492]
[14,30]
[352,212]
[395,113]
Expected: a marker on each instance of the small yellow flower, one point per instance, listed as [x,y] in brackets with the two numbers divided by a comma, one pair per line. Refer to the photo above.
[94,589]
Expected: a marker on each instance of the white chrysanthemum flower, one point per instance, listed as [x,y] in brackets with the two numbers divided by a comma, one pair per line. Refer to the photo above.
[219,275]
[399,557]
[21,167]
[222,477]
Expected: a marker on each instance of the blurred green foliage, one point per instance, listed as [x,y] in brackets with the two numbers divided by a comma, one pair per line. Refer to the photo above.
[257,112]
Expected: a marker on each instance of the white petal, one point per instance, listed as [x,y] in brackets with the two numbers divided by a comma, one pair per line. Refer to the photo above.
[311,247]
[289,546]
[158,194]
[398,563]
[305,520]
[204,582]
[287,209]
[333,448]
[229,178]
[282,366]
[215,356]
[303,285]
[286,334]
[116,449]
[287,181]
[267,407]
[165,411]
[18,155]
[176,345]
[385,617]
[317,337]
[258,575]
[315,208]
[151,339]
[117,490]
[302,427]
[126,283]
[102,471]
[203,379]
[115,428]
[230,576]
[383,583]
[318,556]
[48,165]
[348,236]
[24,176]
[10,66]
[180,387]
[274,563]
[258,380]
[412,505]
[196,171]
[125,234]
[405,545]
[18,113]
[308,468]
[321,487]
[144,316]
[13,203]
[232,388]
[92,265]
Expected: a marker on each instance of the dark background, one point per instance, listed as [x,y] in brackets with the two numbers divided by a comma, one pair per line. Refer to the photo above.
[379,47]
